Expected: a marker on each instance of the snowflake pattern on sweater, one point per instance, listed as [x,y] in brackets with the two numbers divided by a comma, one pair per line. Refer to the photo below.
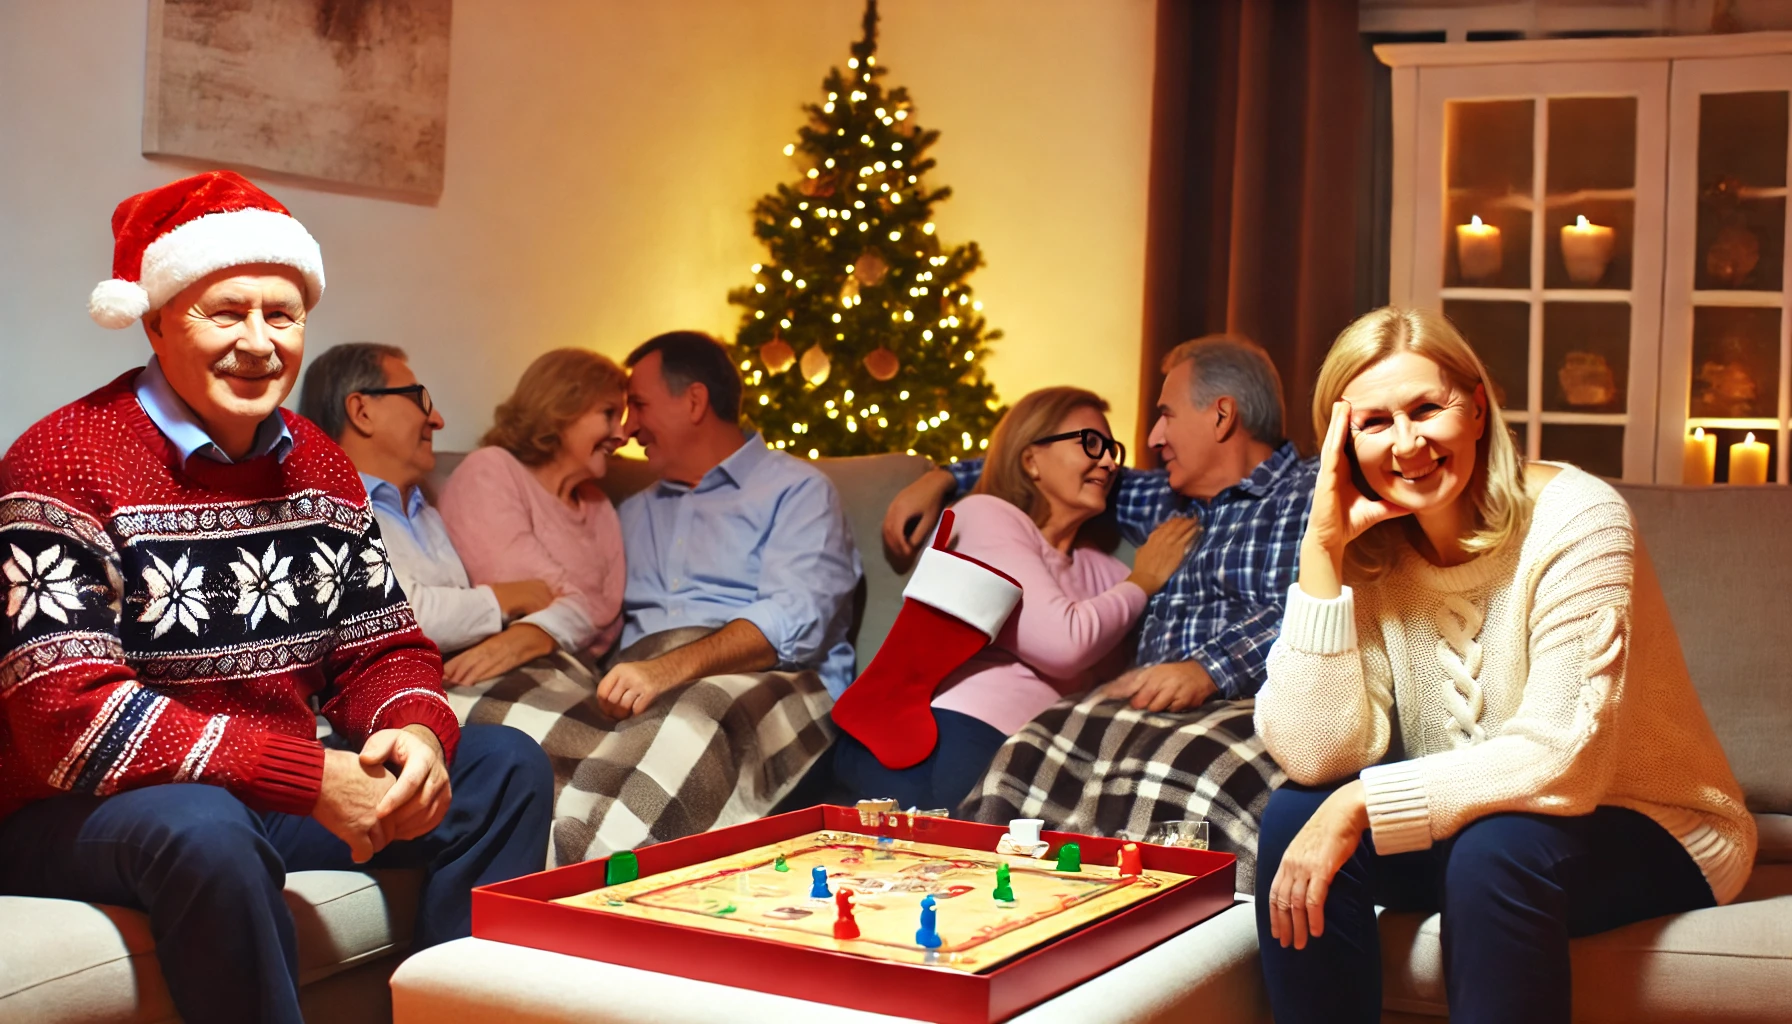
[170,623]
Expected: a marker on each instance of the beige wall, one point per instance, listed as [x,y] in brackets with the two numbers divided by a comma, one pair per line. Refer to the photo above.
[602,159]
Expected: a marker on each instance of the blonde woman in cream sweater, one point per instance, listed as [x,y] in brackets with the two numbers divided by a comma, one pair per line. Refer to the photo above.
[1480,703]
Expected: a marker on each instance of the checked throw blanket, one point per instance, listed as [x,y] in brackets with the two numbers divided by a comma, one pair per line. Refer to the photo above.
[1098,766]
[715,752]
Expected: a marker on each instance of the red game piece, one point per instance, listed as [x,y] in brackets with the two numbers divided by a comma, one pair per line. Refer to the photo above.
[1130,861]
[844,925]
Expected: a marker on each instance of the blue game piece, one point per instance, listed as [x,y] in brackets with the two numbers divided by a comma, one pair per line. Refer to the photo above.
[818,890]
[928,935]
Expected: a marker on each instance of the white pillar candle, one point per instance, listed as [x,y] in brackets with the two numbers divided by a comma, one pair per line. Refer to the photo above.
[1586,250]
[1478,249]
[1701,459]
[1748,461]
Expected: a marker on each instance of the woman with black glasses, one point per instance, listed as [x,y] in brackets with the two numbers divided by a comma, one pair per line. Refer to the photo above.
[1050,465]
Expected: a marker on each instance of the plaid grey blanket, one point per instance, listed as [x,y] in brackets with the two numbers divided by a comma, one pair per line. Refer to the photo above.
[715,752]
[1099,766]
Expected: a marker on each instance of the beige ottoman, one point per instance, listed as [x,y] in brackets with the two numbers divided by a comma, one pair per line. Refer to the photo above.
[1206,973]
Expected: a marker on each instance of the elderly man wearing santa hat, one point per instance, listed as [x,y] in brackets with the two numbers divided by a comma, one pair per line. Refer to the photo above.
[185,568]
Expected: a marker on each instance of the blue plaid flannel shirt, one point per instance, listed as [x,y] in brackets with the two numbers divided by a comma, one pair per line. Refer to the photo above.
[1223,607]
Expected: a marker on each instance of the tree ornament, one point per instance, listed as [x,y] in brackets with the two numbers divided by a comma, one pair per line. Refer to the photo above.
[850,290]
[816,365]
[777,355]
[882,364]
[870,269]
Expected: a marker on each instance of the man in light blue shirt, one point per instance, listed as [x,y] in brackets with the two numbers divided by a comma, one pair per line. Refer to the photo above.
[368,400]
[735,536]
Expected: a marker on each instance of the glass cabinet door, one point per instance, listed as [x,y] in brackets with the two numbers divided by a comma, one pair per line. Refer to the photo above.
[1545,228]
[1725,334]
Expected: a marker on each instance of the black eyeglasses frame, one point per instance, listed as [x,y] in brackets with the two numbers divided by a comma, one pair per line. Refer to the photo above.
[1090,438]
[415,392]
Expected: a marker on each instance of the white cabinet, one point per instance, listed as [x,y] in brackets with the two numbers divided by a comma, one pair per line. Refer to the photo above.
[1605,221]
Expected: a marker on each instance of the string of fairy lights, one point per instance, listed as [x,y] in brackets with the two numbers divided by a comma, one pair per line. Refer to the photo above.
[853,239]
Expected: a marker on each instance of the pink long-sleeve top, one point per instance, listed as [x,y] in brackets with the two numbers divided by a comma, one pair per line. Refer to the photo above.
[506,527]
[1074,609]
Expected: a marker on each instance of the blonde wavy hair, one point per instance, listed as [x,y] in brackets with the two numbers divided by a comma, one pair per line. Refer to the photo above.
[1497,486]
[558,387]
[1035,416]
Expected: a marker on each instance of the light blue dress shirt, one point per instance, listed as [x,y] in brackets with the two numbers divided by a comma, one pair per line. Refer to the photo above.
[762,537]
[407,512]
[180,425]
[450,610]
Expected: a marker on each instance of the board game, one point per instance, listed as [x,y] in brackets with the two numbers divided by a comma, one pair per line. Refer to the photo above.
[916,878]
[767,892]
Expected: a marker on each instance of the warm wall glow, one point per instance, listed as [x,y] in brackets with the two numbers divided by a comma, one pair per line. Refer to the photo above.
[597,190]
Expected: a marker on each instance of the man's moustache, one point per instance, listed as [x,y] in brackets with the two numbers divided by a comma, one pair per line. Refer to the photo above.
[238,365]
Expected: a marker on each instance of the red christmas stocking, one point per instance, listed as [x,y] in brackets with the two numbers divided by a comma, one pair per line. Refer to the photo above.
[952,608]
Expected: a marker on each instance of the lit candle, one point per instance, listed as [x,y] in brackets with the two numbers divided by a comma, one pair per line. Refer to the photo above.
[1478,249]
[1701,458]
[1748,461]
[1586,249]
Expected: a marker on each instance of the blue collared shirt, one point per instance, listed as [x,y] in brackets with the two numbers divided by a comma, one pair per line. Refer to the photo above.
[762,537]
[405,510]
[1223,606]
[178,423]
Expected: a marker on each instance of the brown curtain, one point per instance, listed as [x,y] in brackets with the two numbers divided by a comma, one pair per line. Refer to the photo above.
[1254,186]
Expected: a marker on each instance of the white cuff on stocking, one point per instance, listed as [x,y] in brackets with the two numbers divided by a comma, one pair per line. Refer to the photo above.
[963,589]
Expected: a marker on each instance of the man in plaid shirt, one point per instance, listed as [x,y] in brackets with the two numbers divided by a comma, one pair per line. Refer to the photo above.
[1226,464]
[1095,764]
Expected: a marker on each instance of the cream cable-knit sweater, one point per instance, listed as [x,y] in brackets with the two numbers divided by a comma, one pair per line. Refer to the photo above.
[1544,678]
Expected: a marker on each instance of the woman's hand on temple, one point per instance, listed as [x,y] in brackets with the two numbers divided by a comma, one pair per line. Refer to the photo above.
[1162,553]
[1341,511]
[1320,848]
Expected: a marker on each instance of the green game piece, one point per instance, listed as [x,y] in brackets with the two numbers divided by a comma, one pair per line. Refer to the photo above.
[1070,857]
[622,867]
[779,865]
[1004,892]
[729,909]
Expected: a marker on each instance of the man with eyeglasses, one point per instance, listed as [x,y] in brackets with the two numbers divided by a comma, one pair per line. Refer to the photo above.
[1205,636]
[185,569]
[366,397]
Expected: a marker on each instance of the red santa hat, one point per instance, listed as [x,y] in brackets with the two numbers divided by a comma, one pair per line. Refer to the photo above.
[169,237]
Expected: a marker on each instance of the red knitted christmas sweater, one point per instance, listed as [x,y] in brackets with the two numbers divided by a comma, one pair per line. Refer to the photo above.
[169,624]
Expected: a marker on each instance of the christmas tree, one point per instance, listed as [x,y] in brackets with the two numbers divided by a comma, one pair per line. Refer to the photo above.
[860,333]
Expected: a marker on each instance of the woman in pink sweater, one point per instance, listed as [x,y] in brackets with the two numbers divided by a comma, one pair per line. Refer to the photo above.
[528,502]
[1051,462]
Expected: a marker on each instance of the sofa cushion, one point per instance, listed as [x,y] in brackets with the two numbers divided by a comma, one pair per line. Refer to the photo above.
[66,961]
[1730,963]
[1723,558]
[1775,831]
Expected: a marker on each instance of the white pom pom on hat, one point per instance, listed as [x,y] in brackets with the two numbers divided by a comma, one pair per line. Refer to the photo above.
[117,304]
[169,237]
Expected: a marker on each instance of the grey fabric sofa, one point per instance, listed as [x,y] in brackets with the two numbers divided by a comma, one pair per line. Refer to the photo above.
[1722,555]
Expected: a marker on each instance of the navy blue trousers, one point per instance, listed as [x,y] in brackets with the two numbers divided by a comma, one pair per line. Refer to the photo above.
[1513,889]
[967,746]
[210,872]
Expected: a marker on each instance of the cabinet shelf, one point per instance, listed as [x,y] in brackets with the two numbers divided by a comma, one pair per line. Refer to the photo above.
[1737,297]
[1546,294]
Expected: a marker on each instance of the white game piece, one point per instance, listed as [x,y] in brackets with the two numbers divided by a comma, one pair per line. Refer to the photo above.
[1022,838]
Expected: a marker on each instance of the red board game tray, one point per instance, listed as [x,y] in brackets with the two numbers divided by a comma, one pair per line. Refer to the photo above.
[520,912]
